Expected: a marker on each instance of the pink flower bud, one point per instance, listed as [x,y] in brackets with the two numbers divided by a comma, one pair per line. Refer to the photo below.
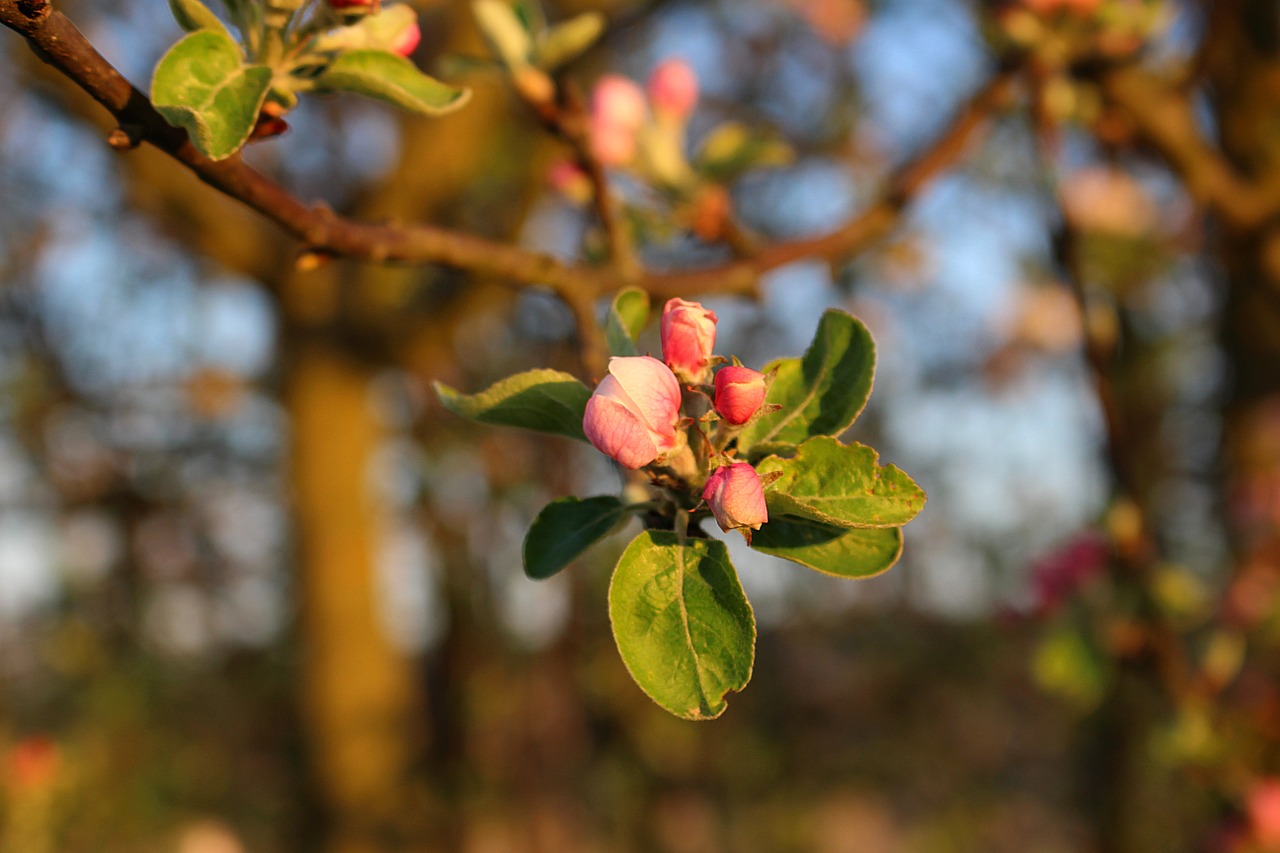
[353,4]
[739,393]
[617,111]
[570,181]
[632,415]
[673,89]
[406,42]
[1263,804]
[736,497]
[688,337]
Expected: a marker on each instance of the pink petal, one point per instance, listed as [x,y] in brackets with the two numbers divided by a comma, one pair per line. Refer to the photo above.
[617,432]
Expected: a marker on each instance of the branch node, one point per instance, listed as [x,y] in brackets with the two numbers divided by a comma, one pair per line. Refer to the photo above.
[312,259]
[126,137]
[34,9]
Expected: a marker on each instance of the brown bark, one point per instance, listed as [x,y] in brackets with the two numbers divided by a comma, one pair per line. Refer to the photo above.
[360,703]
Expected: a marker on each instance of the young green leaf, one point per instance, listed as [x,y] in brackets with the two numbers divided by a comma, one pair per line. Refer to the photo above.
[820,394]
[192,15]
[505,31]
[567,40]
[566,528]
[682,622]
[627,318]
[541,400]
[203,85]
[847,552]
[732,148]
[840,484]
[391,78]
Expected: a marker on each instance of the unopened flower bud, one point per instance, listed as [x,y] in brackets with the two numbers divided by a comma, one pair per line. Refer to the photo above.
[673,89]
[740,393]
[570,181]
[632,415]
[617,111]
[1263,806]
[688,337]
[534,85]
[736,497]
[406,42]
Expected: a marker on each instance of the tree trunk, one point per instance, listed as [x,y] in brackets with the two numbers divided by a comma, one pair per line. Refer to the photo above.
[360,702]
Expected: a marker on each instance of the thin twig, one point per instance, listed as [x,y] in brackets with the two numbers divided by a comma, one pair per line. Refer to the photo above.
[56,40]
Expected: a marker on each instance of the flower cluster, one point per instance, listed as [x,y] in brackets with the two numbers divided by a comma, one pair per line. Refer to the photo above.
[620,109]
[656,415]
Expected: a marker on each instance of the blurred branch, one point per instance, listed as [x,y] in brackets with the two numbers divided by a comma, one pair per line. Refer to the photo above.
[56,40]
[1164,116]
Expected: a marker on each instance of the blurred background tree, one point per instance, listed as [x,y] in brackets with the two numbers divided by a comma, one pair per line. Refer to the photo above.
[259,592]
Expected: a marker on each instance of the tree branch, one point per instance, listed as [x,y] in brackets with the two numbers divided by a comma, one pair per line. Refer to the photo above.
[57,41]
[1163,115]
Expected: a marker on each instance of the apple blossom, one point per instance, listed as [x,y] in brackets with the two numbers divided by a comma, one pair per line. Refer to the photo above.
[632,415]
[617,111]
[736,497]
[673,89]
[688,336]
[739,393]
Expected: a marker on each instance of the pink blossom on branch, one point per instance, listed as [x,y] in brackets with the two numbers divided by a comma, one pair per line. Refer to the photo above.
[736,497]
[688,338]
[673,89]
[618,110]
[740,393]
[632,415]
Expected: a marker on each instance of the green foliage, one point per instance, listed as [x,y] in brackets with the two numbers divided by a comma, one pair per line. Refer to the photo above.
[628,315]
[566,528]
[506,33]
[821,393]
[520,37]
[1067,665]
[732,148]
[567,40]
[192,15]
[391,78]
[844,552]
[682,622]
[204,85]
[841,485]
[540,400]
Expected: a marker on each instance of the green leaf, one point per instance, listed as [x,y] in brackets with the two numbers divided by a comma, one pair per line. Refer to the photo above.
[627,318]
[682,622]
[567,40]
[394,79]
[820,394]
[840,484]
[204,86]
[1065,663]
[530,15]
[192,15]
[732,148]
[847,552]
[565,529]
[505,31]
[542,400]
